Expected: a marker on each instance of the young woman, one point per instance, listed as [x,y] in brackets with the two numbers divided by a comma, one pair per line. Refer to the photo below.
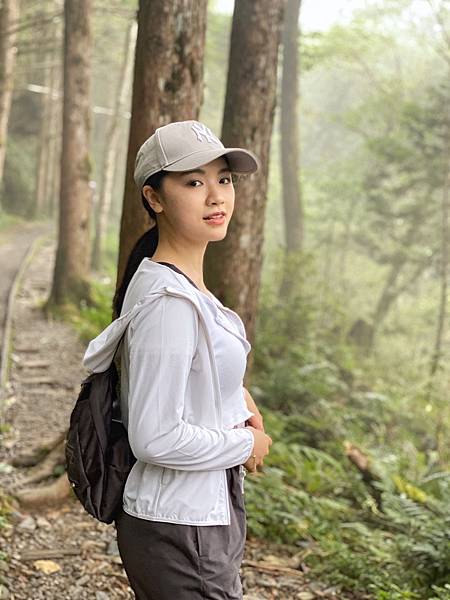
[192,426]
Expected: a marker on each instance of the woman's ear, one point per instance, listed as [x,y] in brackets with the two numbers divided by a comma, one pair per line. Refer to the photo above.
[152,198]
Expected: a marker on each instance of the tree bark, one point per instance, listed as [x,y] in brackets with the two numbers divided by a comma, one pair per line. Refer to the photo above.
[290,151]
[54,151]
[440,327]
[392,288]
[440,435]
[111,148]
[9,14]
[233,266]
[344,250]
[44,146]
[70,280]
[167,86]
[49,126]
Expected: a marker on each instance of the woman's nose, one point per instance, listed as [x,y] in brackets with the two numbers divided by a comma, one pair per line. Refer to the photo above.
[216,194]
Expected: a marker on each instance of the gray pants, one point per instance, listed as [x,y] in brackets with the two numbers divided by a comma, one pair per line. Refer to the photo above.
[172,561]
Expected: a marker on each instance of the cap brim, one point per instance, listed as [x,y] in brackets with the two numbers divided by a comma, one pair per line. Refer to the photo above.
[240,160]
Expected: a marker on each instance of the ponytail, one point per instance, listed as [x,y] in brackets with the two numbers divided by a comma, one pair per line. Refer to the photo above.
[145,247]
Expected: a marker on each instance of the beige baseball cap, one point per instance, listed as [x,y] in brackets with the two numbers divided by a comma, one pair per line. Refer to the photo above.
[185,145]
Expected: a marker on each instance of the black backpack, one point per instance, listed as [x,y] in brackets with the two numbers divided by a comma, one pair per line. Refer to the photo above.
[98,454]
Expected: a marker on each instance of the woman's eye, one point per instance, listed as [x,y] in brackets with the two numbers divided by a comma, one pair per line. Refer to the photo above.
[193,181]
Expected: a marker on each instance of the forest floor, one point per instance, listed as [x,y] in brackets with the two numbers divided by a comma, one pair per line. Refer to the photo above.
[62,553]
[15,242]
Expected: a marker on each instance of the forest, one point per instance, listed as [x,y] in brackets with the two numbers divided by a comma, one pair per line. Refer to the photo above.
[337,260]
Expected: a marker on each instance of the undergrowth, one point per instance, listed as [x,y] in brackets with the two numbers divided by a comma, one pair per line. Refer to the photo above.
[386,537]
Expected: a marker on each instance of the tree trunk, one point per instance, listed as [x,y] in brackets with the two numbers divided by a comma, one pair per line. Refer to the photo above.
[54,151]
[167,86]
[290,151]
[70,280]
[323,291]
[440,328]
[440,435]
[344,250]
[44,146]
[112,137]
[9,14]
[389,292]
[46,158]
[233,266]
[391,289]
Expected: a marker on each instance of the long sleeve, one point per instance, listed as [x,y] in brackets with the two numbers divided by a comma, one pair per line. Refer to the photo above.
[162,345]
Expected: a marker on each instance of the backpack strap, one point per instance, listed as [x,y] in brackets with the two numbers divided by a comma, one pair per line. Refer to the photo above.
[119,343]
[174,268]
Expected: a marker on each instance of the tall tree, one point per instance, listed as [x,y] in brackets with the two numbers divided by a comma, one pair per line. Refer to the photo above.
[54,151]
[44,143]
[403,184]
[9,14]
[233,266]
[289,142]
[436,357]
[167,86]
[111,146]
[70,280]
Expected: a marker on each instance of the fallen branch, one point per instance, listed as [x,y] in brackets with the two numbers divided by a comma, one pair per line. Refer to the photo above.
[39,381]
[362,462]
[38,453]
[270,568]
[46,468]
[49,553]
[53,494]
[33,364]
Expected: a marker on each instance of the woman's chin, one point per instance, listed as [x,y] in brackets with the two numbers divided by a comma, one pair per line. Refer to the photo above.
[218,235]
[218,232]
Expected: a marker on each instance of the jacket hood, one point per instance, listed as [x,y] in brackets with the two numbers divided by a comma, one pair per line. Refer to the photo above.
[147,284]
[150,280]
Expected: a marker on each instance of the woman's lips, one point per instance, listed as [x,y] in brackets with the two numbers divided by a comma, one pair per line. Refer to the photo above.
[218,220]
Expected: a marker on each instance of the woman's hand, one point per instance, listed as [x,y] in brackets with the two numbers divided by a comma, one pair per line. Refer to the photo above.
[256,422]
[260,449]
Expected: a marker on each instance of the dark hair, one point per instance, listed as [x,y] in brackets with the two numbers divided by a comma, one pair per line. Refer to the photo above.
[144,247]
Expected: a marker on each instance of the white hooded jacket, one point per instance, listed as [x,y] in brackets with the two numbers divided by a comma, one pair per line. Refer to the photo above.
[171,400]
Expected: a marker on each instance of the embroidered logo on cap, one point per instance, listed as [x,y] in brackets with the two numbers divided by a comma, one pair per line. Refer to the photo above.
[204,133]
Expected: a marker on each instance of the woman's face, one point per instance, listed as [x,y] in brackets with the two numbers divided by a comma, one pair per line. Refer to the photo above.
[187,197]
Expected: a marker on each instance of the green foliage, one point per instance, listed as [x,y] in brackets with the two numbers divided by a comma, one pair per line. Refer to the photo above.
[217,46]
[7,220]
[443,593]
[90,320]
[317,395]
[19,176]
[312,498]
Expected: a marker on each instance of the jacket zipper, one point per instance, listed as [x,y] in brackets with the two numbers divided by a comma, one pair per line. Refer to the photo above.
[174,292]
[243,474]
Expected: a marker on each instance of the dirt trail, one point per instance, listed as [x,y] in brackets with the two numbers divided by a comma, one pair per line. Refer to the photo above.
[64,554]
[15,242]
